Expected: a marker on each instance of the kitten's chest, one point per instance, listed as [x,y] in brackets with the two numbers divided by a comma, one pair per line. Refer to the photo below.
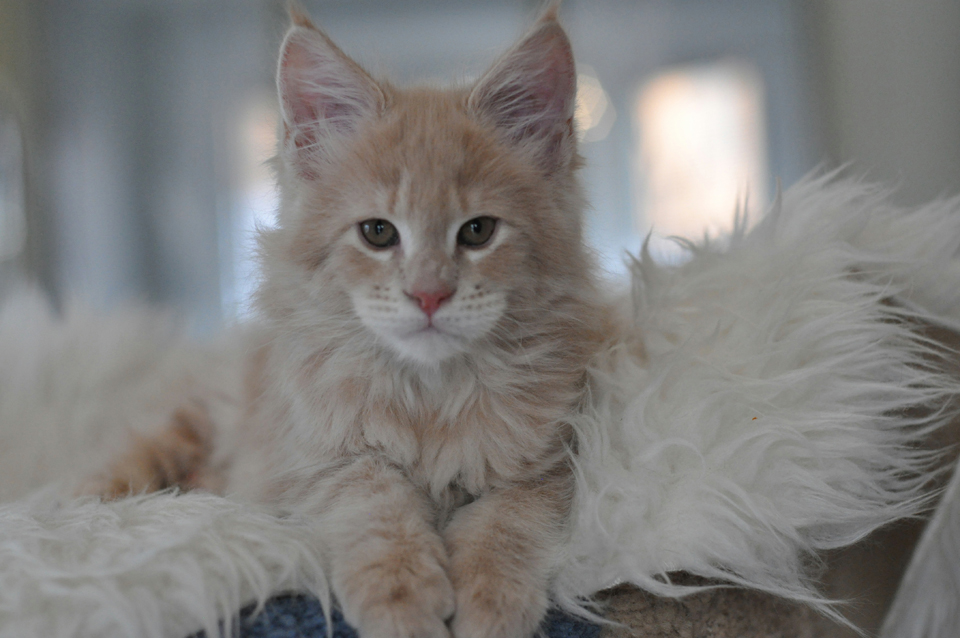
[463,432]
[480,445]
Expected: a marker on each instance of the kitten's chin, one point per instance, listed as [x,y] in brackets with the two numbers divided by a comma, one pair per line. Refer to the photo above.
[429,347]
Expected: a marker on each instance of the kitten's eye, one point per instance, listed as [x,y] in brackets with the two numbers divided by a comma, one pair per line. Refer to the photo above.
[476,232]
[379,233]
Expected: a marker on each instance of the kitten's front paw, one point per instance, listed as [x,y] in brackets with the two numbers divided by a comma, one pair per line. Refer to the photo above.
[491,605]
[405,596]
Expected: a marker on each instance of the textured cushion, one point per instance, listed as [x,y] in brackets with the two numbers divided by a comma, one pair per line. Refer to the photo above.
[301,616]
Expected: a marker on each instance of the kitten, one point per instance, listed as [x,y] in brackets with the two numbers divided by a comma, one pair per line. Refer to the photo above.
[428,313]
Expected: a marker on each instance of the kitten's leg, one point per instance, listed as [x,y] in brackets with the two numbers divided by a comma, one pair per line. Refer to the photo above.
[503,551]
[176,455]
[387,561]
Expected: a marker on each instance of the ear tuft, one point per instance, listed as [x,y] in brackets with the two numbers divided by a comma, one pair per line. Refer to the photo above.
[324,95]
[550,13]
[530,94]
[298,15]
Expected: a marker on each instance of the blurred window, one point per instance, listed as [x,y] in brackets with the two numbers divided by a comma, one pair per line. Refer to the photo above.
[254,204]
[701,148]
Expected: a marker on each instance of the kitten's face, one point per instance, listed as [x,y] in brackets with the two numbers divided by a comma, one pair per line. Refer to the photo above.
[423,220]
[433,229]
[422,258]
[438,286]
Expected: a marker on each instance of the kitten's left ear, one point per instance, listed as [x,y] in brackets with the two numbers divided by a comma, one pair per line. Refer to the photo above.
[530,94]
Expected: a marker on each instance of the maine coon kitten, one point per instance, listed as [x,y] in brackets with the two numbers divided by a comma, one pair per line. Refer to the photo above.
[429,311]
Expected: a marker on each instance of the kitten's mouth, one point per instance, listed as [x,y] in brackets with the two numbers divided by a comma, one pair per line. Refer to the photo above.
[429,345]
[429,327]
[424,331]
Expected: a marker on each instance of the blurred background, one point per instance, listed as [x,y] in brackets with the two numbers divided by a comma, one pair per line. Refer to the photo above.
[133,132]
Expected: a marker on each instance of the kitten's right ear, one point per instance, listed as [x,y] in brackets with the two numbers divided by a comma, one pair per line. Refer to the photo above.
[324,95]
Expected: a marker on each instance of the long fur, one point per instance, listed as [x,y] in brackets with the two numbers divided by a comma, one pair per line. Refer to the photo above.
[73,390]
[428,446]
[778,406]
[151,566]
[806,324]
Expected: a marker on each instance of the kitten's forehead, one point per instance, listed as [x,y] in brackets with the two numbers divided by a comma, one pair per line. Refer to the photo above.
[427,202]
[429,158]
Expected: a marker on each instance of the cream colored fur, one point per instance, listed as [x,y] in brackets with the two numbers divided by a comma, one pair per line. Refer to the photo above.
[733,417]
[426,447]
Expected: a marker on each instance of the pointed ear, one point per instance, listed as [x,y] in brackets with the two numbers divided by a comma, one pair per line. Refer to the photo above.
[324,96]
[530,94]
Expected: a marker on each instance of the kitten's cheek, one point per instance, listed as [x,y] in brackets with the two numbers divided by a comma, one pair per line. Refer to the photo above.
[385,315]
[471,324]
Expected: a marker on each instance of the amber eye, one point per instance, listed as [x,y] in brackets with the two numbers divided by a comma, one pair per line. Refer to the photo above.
[379,233]
[476,232]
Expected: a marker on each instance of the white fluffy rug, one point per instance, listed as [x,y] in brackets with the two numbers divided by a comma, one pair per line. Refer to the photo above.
[772,415]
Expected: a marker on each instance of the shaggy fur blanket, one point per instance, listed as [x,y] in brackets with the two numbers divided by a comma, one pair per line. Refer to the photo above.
[764,405]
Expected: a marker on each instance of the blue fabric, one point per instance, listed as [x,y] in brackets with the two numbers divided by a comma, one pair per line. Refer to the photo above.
[301,616]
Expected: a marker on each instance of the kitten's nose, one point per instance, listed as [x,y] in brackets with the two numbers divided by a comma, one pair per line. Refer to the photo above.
[430,300]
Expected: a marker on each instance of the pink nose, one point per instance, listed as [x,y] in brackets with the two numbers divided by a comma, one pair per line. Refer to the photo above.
[430,300]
